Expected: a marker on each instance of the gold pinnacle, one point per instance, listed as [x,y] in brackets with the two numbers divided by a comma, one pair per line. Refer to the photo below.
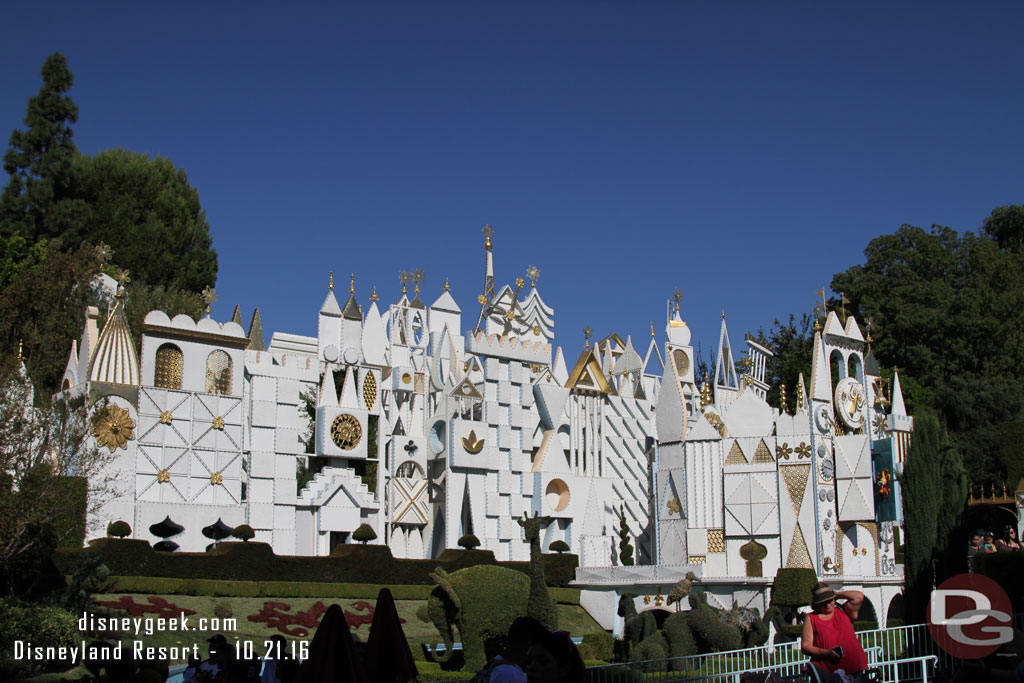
[373,297]
[20,357]
[652,331]
[446,287]
[723,314]
[587,331]
[533,272]
[488,231]
[330,281]
[352,283]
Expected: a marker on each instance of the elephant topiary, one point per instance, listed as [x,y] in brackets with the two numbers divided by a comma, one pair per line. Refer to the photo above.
[480,602]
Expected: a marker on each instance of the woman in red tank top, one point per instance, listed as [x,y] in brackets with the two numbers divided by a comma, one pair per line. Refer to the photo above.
[828,637]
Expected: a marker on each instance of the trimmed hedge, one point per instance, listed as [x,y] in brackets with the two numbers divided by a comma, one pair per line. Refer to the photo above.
[155,585]
[236,561]
[792,586]
[597,646]
[69,516]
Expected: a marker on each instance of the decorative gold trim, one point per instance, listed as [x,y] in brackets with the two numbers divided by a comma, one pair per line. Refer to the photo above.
[218,423]
[166,418]
[217,479]
[698,559]
[113,428]
[673,506]
[471,443]
[163,476]
[716,540]
[346,432]
[223,339]
[369,390]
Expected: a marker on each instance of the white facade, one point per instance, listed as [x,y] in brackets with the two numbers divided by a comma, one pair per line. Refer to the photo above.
[474,423]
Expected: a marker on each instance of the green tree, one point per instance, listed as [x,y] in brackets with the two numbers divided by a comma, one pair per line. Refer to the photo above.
[934,496]
[625,540]
[364,533]
[36,202]
[948,311]
[150,214]
[793,345]
[1006,226]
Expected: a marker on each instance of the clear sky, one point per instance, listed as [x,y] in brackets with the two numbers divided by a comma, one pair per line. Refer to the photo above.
[742,152]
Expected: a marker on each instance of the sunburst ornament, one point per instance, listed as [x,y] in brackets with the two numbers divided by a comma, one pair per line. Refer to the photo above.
[113,428]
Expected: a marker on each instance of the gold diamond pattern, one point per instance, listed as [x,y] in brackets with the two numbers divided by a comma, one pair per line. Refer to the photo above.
[796,482]
[798,554]
[716,540]
[736,456]
[369,390]
[763,453]
[698,559]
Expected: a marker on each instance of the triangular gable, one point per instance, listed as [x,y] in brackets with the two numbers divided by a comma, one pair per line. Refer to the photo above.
[798,553]
[628,361]
[763,453]
[352,310]
[587,375]
[558,370]
[736,456]
[330,305]
[833,326]
[349,397]
[853,329]
[465,389]
[652,349]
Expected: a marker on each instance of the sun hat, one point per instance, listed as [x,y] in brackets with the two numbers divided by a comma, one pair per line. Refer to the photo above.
[821,593]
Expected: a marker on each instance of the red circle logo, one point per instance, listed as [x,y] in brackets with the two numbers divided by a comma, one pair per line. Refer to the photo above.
[969,616]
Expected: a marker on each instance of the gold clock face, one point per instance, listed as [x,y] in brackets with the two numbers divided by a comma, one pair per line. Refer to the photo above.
[346,432]
[682,361]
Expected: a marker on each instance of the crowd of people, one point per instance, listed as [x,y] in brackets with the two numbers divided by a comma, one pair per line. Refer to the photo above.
[534,654]
[223,666]
[983,541]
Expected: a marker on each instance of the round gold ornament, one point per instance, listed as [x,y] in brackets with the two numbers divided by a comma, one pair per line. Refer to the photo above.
[346,432]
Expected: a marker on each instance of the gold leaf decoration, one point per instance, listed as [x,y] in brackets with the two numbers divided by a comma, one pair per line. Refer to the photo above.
[472,444]
[163,476]
[166,418]
[113,428]
[369,390]
[217,478]
[673,506]
[218,423]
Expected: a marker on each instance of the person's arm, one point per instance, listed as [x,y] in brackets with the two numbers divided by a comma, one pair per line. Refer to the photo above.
[854,599]
[810,649]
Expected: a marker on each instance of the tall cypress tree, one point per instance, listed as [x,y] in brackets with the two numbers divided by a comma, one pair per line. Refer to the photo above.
[36,202]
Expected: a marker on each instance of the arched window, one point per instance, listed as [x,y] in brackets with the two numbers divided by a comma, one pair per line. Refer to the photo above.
[838,367]
[218,373]
[168,367]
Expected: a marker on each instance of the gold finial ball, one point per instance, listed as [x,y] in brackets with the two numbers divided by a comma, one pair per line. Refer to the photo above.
[373,297]
[330,281]
[446,286]
[352,283]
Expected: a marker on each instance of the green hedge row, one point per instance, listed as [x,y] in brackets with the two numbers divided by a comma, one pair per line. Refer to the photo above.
[348,564]
[157,585]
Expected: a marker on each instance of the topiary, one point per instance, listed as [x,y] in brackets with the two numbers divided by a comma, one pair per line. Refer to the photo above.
[792,590]
[597,646]
[469,541]
[223,610]
[119,529]
[244,532]
[364,534]
[625,540]
[559,547]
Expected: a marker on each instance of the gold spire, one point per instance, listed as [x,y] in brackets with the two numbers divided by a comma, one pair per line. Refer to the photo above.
[705,393]
[330,282]
[652,331]
[782,398]
[404,277]
[209,296]
[723,314]
[488,231]
[677,295]
[20,357]
[446,287]
[587,331]
[533,272]
[373,297]
[352,283]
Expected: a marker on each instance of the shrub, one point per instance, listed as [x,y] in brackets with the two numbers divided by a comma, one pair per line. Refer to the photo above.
[243,532]
[559,546]
[223,610]
[47,626]
[119,529]
[597,646]
[792,587]
[364,534]
[469,541]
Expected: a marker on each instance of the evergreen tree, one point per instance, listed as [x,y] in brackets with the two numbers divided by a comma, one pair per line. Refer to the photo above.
[625,540]
[36,202]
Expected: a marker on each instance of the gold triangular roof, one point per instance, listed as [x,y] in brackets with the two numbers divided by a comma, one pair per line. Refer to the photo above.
[352,310]
[587,375]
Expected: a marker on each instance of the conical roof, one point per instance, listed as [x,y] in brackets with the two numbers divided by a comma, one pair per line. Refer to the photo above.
[115,360]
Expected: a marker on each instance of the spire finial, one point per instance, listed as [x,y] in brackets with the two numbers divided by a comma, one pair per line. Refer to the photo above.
[20,357]
[842,302]
[330,281]
[373,297]
[447,288]
[587,331]
[418,276]
[488,231]
[122,279]
[404,277]
[209,296]
[677,296]
[533,272]
[723,314]
[652,331]
[352,283]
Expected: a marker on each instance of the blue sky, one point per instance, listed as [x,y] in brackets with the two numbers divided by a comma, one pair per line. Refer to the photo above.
[742,152]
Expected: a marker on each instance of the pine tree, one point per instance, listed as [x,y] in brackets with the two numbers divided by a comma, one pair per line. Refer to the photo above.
[36,202]
[625,540]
